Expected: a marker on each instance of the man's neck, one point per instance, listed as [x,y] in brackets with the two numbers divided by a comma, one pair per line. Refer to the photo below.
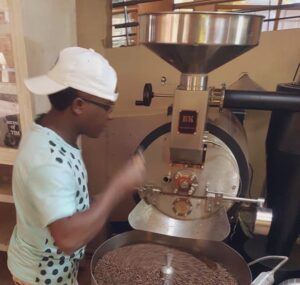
[60,123]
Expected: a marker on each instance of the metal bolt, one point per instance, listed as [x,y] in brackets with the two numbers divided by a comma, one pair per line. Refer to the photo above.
[163,80]
[184,185]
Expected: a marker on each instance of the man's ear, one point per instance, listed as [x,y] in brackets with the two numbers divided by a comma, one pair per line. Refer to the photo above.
[77,106]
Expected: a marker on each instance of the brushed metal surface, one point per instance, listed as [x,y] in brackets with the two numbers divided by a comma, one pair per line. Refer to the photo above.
[216,251]
[193,82]
[294,281]
[263,221]
[148,218]
[220,174]
[187,148]
[199,42]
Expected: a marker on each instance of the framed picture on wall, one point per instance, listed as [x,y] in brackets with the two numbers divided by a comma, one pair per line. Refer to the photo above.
[10,131]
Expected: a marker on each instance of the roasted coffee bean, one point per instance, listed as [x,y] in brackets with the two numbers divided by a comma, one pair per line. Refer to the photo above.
[141,264]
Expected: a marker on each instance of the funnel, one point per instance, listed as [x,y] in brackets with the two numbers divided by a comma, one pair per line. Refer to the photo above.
[199,42]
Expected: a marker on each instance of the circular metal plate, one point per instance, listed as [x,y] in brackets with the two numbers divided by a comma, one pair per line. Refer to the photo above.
[216,251]
[220,174]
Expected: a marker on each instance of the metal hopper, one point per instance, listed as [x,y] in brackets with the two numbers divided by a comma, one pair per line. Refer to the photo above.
[199,42]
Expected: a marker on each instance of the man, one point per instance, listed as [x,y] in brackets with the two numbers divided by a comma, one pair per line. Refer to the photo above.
[54,218]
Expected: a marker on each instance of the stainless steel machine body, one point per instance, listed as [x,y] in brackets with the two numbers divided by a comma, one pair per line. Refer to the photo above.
[190,173]
[174,208]
[196,43]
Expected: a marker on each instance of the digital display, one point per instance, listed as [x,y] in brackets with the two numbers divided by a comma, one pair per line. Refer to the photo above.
[187,122]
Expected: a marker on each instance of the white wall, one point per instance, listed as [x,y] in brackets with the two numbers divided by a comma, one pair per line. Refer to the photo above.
[49,26]
[93,26]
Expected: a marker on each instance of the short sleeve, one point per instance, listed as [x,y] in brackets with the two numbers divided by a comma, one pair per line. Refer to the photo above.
[52,190]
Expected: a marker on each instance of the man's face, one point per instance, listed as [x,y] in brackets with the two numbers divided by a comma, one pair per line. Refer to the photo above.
[96,112]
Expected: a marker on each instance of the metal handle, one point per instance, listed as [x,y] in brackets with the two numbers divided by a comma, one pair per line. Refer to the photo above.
[150,189]
[167,272]
[256,100]
[148,95]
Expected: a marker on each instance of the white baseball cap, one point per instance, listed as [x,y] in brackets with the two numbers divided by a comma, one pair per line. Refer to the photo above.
[79,68]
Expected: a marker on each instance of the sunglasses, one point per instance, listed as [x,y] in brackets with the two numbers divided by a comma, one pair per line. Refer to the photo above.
[106,107]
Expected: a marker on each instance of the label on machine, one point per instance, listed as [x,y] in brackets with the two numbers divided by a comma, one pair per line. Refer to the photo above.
[187,122]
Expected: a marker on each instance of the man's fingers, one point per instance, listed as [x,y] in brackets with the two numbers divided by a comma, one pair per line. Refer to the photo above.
[139,160]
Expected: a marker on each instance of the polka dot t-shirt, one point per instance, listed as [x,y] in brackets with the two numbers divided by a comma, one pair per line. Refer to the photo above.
[49,183]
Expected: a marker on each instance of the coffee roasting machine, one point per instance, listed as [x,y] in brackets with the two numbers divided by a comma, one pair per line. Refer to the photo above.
[201,168]
[197,165]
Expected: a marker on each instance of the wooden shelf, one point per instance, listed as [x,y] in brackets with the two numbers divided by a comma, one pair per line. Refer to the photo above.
[7,222]
[5,183]
[5,193]
[8,88]
[7,155]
